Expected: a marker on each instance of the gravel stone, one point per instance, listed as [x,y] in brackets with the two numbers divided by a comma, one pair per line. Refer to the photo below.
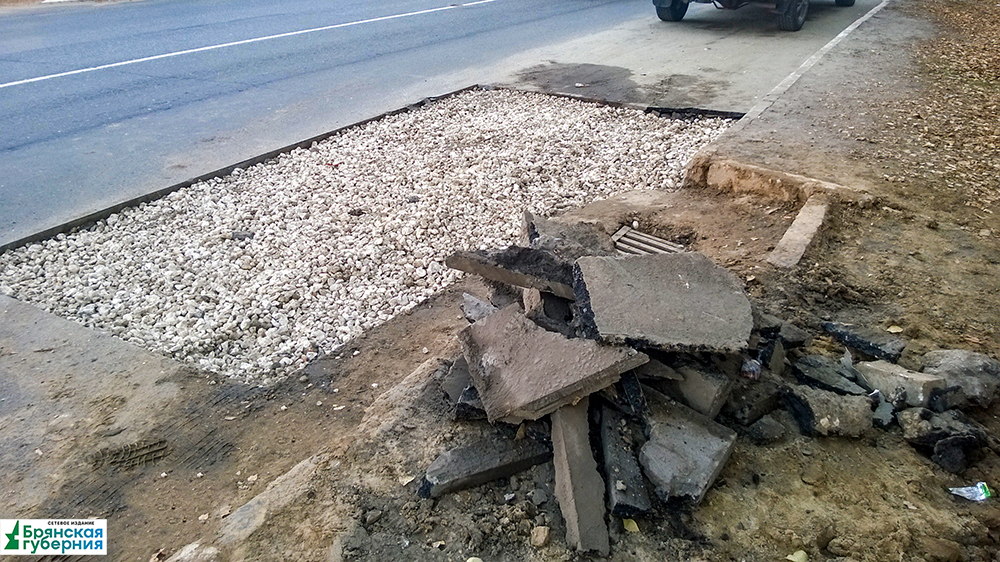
[255,274]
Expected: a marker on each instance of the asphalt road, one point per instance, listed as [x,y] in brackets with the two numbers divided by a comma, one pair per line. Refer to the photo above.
[101,103]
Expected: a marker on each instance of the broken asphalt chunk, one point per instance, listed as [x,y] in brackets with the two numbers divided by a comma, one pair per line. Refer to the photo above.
[472,465]
[877,344]
[685,451]
[523,267]
[827,374]
[579,487]
[627,496]
[887,377]
[671,302]
[977,375]
[469,406]
[524,371]
[457,379]
[949,436]
[749,401]
[827,413]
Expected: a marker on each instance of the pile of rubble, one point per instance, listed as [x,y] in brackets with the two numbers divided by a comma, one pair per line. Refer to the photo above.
[634,366]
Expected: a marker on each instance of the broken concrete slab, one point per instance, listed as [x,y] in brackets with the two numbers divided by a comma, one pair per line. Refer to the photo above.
[887,377]
[827,374]
[949,436]
[523,267]
[793,244]
[976,374]
[522,370]
[685,451]
[626,491]
[749,401]
[479,463]
[476,309]
[703,389]
[827,413]
[567,241]
[579,487]
[671,302]
[877,344]
[884,414]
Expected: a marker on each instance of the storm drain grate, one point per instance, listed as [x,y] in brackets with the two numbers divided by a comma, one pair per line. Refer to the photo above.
[630,241]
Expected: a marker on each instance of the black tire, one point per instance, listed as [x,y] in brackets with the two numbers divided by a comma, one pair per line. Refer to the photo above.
[674,12]
[845,3]
[794,15]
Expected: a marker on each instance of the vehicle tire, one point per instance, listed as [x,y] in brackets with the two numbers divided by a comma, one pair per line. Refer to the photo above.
[794,15]
[845,3]
[674,12]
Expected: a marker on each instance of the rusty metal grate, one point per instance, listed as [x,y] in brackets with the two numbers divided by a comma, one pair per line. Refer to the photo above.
[632,242]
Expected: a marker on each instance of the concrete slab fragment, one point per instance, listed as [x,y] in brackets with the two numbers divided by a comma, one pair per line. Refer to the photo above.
[567,241]
[476,309]
[702,389]
[658,370]
[485,461]
[523,267]
[672,302]
[685,451]
[976,374]
[749,401]
[524,371]
[827,413]
[627,496]
[579,487]
[887,377]
[803,229]
[457,380]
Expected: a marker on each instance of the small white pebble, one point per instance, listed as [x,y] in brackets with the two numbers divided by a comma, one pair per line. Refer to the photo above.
[199,475]
[252,478]
[374,385]
[283,408]
[203,517]
[319,403]
[163,475]
[426,351]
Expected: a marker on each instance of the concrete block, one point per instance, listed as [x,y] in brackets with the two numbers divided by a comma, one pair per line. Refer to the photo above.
[887,377]
[792,336]
[472,465]
[749,401]
[657,370]
[476,309]
[827,413]
[827,374]
[874,343]
[803,229]
[522,370]
[579,487]
[627,496]
[523,267]
[976,374]
[567,241]
[671,302]
[685,451]
[703,389]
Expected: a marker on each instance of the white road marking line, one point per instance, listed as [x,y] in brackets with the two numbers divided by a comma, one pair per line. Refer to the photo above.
[785,84]
[244,42]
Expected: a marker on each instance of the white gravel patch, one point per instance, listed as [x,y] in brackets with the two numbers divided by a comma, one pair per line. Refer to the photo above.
[345,235]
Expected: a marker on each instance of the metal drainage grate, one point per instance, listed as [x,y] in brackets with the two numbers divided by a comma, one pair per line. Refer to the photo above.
[630,241]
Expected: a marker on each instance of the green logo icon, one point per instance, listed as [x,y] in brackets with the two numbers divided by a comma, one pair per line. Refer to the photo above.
[13,543]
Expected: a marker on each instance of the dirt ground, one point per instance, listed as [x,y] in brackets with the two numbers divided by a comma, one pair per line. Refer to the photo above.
[920,253]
